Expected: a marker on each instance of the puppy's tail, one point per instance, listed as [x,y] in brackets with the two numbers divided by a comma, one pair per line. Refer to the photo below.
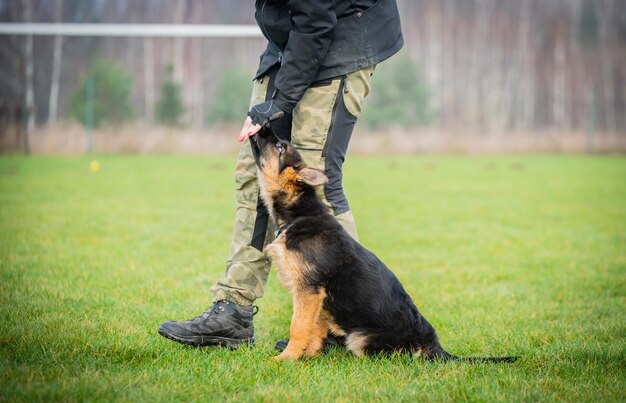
[443,355]
[427,344]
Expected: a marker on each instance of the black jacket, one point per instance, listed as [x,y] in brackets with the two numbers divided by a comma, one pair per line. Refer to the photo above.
[315,40]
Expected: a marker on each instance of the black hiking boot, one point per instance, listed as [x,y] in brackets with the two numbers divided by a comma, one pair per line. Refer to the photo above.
[224,324]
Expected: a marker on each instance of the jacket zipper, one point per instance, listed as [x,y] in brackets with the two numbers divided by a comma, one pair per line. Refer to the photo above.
[333,116]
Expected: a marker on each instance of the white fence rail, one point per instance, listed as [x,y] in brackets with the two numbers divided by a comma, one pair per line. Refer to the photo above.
[126,30]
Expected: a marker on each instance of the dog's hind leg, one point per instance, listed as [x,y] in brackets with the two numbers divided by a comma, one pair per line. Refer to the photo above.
[306,310]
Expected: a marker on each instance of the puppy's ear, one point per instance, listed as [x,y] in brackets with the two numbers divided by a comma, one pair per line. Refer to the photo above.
[311,176]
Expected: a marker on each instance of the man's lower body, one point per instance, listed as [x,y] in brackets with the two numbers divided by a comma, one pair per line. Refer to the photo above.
[320,127]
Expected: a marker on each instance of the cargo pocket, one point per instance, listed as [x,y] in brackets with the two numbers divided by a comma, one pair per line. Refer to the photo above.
[246,187]
[312,116]
[356,89]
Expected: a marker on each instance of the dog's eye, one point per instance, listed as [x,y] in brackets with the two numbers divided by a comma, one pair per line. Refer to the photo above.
[280,147]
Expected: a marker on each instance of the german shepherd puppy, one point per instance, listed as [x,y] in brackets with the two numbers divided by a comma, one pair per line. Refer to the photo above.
[338,286]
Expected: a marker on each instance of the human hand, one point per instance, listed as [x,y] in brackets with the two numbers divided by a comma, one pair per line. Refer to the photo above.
[258,116]
[248,129]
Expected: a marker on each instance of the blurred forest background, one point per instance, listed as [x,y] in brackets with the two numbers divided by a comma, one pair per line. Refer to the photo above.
[474,76]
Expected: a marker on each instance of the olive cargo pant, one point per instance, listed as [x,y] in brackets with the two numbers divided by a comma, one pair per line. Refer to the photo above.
[320,128]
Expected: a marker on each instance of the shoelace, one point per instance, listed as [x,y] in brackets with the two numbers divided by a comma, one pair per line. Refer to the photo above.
[215,309]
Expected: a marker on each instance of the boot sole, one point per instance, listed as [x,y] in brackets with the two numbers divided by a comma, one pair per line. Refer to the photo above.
[203,341]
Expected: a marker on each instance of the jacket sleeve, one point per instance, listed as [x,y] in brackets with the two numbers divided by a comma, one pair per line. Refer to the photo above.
[313,23]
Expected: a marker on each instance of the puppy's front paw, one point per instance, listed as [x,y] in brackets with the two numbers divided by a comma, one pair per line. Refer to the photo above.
[286,355]
[314,349]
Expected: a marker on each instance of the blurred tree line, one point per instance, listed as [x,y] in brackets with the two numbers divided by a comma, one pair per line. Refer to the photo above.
[486,64]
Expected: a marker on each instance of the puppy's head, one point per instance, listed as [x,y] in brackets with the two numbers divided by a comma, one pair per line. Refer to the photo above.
[281,168]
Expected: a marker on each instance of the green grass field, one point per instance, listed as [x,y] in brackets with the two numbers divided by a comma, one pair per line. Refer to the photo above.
[516,255]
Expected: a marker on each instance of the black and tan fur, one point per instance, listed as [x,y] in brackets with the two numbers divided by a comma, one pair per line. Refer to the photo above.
[338,286]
